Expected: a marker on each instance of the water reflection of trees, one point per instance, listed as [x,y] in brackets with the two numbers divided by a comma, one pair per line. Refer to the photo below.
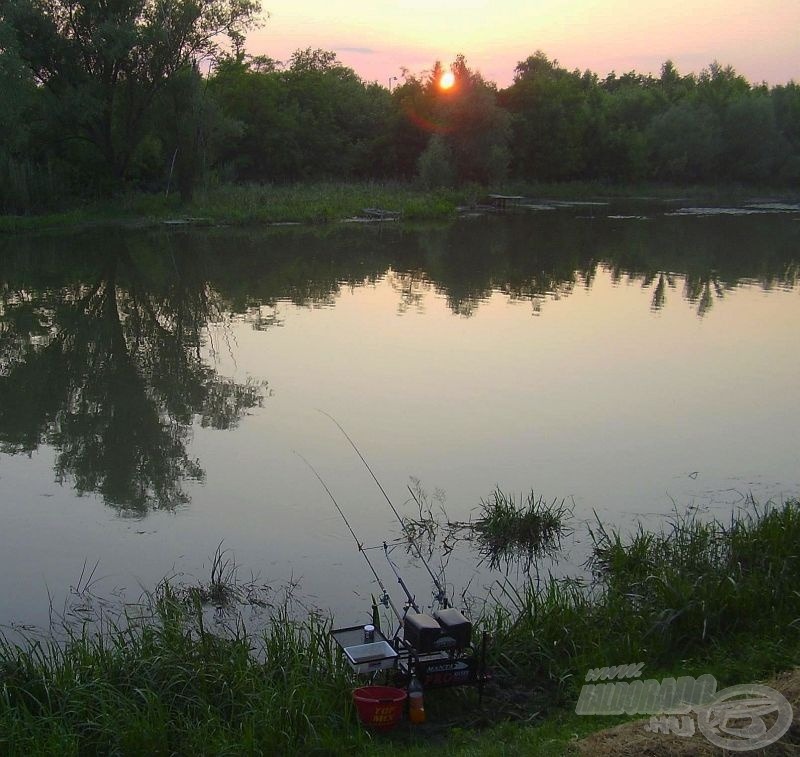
[528,258]
[706,259]
[101,357]
[536,259]
[411,286]
[468,261]
[102,339]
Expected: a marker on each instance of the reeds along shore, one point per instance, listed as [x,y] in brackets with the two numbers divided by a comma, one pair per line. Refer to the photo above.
[698,593]
[697,596]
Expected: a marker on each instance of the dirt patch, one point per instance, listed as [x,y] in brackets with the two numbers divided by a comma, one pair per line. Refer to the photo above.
[632,740]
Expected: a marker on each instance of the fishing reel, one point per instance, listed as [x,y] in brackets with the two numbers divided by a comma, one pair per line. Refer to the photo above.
[384,599]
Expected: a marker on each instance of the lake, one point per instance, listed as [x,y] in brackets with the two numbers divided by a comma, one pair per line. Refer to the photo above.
[160,390]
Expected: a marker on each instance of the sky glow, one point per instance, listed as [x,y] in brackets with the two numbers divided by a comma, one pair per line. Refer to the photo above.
[760,39]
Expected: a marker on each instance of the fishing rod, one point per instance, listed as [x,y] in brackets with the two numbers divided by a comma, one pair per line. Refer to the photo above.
[412,602]
[386,600]
[441,594]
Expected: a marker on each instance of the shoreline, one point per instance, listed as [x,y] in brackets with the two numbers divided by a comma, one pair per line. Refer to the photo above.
[367,203]
[693,598]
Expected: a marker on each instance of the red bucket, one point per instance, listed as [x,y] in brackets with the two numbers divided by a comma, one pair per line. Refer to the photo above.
[380,707]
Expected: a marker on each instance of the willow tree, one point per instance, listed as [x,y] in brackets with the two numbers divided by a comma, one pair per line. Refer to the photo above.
[101,63]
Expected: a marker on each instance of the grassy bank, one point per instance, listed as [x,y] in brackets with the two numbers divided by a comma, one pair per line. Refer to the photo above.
[312,203]
[315,203]
[697,597]
[165,684]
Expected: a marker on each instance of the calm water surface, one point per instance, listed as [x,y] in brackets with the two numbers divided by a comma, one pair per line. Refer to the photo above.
[155,388]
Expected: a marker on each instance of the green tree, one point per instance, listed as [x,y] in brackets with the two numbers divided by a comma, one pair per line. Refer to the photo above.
[192,127]
[315,119]
[435,165]
[786,103]
[261,121]
[24,183]
[102,62]
[753,148]
[620,109]
[550,119]
[340,119]
[718,86]
[673,86]
[466,118]
[685,143]
[410,125]
[478,130]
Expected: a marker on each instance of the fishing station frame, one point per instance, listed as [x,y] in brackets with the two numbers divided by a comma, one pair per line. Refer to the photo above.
[436,648]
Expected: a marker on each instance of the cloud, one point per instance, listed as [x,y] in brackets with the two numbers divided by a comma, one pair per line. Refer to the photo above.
[357,50]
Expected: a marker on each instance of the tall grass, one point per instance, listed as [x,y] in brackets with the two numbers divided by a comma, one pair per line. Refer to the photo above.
[308,202]
[253,204]
[697,596]
[696,592]
[162,683]
[311,202]
[323,202]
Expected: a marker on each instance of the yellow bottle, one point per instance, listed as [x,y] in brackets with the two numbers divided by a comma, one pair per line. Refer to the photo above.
[416,702]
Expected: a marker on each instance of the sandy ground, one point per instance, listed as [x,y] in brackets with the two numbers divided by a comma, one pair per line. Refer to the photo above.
[632,740]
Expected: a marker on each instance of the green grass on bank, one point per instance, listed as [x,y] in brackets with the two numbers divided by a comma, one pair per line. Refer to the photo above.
[325,202]
[168,685]
[697,597]
[312,203]
[697,593]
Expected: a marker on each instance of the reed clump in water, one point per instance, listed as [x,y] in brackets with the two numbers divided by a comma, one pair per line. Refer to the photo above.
[506,533]
[531,529]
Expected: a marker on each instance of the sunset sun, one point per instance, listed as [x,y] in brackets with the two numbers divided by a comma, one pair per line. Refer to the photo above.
[447,80]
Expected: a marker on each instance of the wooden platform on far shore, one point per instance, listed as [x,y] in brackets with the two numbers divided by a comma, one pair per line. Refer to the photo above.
[501,202]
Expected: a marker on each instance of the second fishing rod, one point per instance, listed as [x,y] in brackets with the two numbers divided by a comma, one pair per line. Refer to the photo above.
[385,598]
[441,594]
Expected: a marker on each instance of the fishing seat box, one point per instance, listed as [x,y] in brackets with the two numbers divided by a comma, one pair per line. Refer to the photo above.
[447,629]
[421,631]
[454,625]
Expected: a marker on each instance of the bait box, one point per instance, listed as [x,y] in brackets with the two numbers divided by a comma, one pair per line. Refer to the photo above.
[367,658]
[361,656]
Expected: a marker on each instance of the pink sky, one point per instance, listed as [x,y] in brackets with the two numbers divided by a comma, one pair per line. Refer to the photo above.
[761,40]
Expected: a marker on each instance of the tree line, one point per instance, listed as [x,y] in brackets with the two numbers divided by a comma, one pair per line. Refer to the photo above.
[101,96]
